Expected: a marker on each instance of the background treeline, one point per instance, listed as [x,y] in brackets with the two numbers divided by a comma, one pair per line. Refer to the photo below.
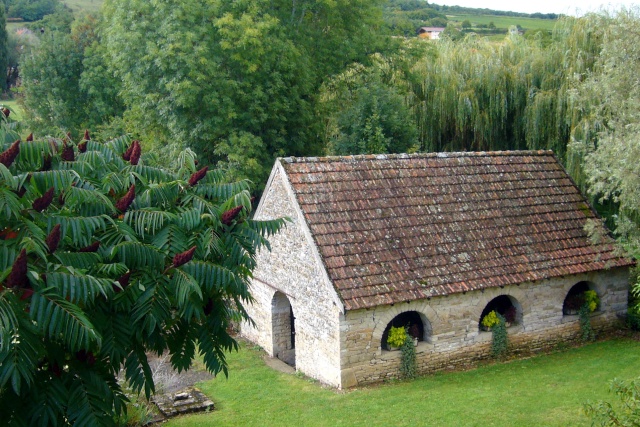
[243,82]
[485,11]
[30,10]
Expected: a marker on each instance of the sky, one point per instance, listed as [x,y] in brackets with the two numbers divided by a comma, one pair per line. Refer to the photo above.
[569,7]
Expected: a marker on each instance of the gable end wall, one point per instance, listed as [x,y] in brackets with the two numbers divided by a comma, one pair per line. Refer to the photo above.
[293,267]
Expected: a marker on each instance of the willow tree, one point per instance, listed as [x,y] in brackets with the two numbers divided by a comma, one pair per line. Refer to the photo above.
[476,94]
[104,259]
[607,138]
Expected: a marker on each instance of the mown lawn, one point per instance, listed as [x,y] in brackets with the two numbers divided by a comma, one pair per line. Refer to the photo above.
[88,6]
[16,110]
[546,390]
[506,21]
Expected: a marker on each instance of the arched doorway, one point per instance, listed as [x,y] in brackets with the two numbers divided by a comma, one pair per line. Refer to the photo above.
[283,328]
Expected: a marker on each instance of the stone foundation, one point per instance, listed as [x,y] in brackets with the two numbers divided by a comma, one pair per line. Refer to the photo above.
[430,360]
[452,338]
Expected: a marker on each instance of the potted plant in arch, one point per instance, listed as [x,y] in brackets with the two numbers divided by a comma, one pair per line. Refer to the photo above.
[573,303]
[489,321]
[397,337]
[414,331]
[510,316]
[591,300]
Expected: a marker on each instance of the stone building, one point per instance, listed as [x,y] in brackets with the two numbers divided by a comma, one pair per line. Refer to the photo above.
[428,241]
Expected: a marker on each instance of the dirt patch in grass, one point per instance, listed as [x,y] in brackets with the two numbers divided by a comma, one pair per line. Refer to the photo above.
[168,380]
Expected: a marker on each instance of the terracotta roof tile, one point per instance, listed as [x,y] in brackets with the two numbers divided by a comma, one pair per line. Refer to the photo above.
[394,228]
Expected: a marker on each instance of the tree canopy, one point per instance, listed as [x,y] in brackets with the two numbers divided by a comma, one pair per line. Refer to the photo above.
[607,139]
[105,258]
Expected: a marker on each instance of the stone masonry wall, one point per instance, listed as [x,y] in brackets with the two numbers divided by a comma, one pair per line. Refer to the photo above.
[452,336]
[295,270]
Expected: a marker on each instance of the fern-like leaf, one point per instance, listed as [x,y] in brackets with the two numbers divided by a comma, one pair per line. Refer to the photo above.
[185,287]
[189,219]
[87,201]
[58,179]
[18,361]
[171,239]
[138,373]
[10,205]
[214,277]
[49,401]
[218,192]
[77,288]
[33,153]
[139,256]
[81,260]
[90,400]
[150,174]
[80,229]
[159,195]
[147,220]
[59,319]
[118,232]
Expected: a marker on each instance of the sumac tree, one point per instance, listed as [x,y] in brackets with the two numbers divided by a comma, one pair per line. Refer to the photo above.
[104,260]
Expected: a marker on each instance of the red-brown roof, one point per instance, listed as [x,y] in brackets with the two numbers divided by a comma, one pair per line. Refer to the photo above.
[395,228]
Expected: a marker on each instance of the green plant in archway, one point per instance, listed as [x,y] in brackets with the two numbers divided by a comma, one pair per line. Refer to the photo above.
[104,259]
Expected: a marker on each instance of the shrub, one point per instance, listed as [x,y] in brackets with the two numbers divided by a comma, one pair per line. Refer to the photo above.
[586,330]
[102,261]
[408,363]
[625,413]
[397,336]
[490,320]
[592,300]
[499,337]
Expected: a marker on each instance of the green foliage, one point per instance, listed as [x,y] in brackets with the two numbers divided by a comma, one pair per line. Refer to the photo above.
[408,363]
[31,10]
[586,330]
[626,413]
[65,83]
[499,338]
[404,17]
[592,300]
[4,39]
[468,94]
[490,320]
[367,113]
[235,80]
[397,336]
[607,139]
[102,261]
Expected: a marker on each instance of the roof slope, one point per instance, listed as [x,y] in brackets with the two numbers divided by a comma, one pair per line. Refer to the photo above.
[394,228]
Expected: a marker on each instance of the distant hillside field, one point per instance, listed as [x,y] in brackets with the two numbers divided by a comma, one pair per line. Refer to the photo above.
[506,21]
[88,6]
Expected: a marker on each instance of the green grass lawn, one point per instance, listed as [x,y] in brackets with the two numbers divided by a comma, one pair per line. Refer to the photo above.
[88,6]
[506,21]
[542,391]
[16,110]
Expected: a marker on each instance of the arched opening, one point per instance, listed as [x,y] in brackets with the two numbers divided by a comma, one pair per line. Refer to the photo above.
[284,329]
[506,306]
[416,325]
[580,294]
